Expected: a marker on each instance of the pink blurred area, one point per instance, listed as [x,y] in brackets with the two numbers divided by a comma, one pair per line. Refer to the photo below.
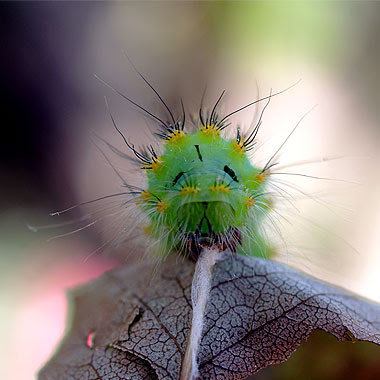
[38,315]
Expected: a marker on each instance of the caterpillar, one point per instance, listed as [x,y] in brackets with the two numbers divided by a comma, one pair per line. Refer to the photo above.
[202,190]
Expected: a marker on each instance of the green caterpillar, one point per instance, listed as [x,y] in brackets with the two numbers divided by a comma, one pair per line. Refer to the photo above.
[203,190]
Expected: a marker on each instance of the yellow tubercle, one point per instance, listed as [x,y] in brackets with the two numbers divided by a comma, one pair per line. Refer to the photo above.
[221,188]
[145,195]
[250,201]
[156,163]
[261,177]
[175,137]
[187,190]
[161,206]
[238,146]
[211,130]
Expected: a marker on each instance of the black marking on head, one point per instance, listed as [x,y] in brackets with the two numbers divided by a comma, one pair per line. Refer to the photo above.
[177,177]
[199,152]
[231,173]
[204,217]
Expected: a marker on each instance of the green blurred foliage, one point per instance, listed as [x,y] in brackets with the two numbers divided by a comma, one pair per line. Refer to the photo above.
[312,30]
[339,37]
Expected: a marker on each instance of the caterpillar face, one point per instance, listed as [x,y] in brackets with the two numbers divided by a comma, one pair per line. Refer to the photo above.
[202,191]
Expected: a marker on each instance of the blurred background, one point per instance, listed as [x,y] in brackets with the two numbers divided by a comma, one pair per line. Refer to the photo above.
[52,107]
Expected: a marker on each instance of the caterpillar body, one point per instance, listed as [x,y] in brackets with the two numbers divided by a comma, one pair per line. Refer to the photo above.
[203,191]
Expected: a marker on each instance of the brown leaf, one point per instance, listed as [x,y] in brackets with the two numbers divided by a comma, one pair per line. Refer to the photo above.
[257,314]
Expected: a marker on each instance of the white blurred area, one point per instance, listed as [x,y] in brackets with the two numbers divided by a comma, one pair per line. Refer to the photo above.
[180,48]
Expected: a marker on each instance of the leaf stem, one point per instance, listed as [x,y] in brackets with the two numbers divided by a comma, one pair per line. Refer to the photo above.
[200,291]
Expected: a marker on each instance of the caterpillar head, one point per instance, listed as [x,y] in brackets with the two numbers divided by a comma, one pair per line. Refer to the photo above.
[203,191]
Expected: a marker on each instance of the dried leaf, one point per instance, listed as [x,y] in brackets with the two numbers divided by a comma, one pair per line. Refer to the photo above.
[257,314]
